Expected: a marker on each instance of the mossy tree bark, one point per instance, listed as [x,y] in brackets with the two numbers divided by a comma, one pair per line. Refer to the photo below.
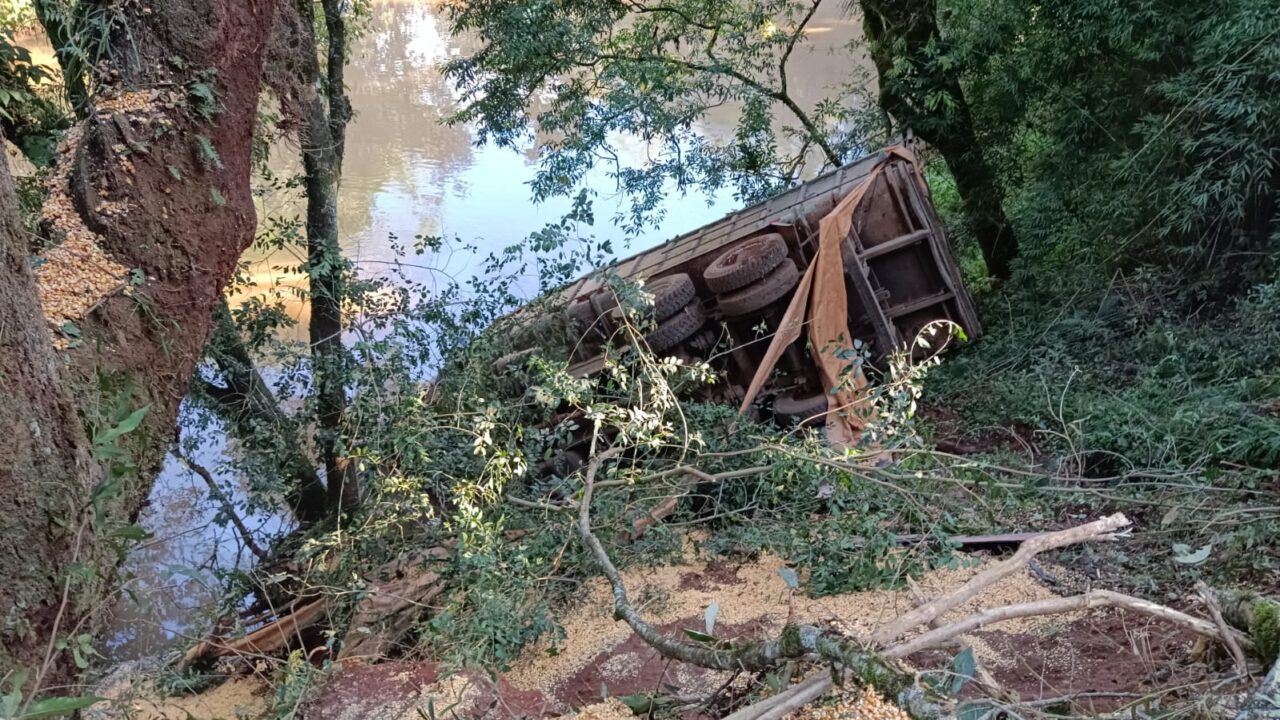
[164,185]
[923,93]
[45,465]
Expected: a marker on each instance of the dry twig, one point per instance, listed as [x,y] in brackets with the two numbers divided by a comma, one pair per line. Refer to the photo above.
[1228,638]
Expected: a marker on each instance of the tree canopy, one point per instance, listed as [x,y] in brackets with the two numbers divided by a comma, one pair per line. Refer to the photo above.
[577,75]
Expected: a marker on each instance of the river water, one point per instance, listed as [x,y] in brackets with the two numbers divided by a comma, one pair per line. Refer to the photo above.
[405,174]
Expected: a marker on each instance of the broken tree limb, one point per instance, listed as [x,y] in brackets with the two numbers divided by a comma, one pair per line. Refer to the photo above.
[388,610]
[820,683]
[268,639]
[868,663]
[1053,606]
[807,688]
[1105,529]
[385,613]
[1250,612]
[1215,611]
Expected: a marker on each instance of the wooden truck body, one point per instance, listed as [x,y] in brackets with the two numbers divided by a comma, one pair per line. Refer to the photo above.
[722,289]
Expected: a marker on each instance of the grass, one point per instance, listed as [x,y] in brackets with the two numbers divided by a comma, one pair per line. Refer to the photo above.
[1130,393]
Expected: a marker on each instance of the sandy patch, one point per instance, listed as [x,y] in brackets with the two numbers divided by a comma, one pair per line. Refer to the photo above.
[754,593]
[865,704]
[236,699]
[611,709]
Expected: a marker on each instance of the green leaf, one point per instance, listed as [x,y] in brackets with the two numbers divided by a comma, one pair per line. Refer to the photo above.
[789,577]
[698,637]
[1183,554]
[639,704]
[131,532]
[962,668]
[12,700]
[53,707]
[127,425]
[70,329]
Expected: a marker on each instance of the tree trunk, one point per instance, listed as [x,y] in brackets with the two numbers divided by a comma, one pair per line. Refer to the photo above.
[898,32]
[157,182]
[324,125]
[46,471]
[253,416]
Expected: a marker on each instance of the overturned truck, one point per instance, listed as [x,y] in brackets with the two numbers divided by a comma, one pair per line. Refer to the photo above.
[727,291]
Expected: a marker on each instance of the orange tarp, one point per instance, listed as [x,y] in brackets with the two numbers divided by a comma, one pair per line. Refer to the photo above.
[821,303]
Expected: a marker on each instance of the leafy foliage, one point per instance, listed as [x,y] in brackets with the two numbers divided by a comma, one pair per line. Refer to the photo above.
[1138,131]
[579,75]
[29,115]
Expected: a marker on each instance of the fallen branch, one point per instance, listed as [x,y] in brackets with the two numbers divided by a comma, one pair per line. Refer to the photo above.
[870,663]
[1104,529]
[1215,611]
[803,689]
[382,612]
[1054,606]
[386,612]
[796,641]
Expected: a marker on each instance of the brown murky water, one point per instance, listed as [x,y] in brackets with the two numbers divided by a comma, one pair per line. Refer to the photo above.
[405,174]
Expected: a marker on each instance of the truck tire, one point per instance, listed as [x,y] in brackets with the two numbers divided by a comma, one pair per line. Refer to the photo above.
[762,293]
[744,263]
[677,328]
[788,408]
[670,294]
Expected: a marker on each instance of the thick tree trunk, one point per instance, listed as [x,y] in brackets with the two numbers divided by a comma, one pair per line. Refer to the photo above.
[907,31]
[158,182]
[46,471]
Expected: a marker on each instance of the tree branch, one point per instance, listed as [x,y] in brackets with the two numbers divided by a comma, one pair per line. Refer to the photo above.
[227,507]
[1053,606]
[811,128]
[1104,529]
[796,640]
[791,44]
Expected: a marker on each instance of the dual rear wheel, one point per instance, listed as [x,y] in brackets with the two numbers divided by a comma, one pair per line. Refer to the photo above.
[752,275]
